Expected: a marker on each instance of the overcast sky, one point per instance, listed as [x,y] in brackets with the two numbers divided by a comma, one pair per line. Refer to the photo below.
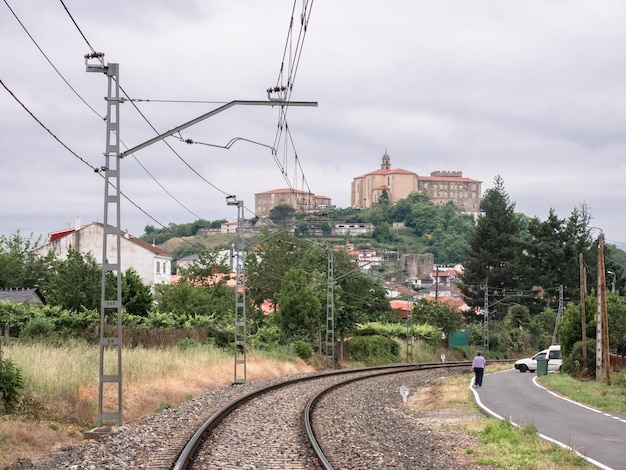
[533,91]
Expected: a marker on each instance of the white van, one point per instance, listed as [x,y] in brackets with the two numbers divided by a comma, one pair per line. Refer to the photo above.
[553,354]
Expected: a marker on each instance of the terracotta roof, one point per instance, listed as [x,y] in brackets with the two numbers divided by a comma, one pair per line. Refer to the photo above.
[401,307]
[447,179]
[284,191]
[397,171]
[138,241]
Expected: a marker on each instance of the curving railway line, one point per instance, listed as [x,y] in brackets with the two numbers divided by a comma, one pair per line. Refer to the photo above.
[319,421]
[354,418]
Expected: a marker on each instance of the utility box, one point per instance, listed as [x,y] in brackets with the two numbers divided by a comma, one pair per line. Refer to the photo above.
[457,339]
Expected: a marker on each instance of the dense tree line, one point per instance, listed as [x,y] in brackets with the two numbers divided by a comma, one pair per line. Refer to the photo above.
[158,236]
[515,263]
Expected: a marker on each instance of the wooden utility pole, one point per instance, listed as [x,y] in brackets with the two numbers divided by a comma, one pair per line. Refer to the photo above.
[602,327]
[605,319]
[583,315]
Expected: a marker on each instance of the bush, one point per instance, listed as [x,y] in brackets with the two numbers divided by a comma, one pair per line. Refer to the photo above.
[187,343]
[302,349]
[373,350]
[573,363]
[38,327]
[11,383]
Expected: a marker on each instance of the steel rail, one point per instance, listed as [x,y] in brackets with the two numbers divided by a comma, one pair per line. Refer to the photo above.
[310,407]
[189,451]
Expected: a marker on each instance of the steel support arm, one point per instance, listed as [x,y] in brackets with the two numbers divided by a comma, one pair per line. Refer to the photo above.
[213,113]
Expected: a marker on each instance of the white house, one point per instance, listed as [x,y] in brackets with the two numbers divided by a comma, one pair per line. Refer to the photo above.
[152,264]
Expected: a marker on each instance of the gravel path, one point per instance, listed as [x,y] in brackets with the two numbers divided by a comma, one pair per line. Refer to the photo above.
[369,427]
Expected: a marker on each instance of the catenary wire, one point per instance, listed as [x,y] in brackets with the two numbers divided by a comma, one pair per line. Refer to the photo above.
[139,111]
[94,169]
[80,97]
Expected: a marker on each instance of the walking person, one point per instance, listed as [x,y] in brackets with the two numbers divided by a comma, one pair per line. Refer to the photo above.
[478,367]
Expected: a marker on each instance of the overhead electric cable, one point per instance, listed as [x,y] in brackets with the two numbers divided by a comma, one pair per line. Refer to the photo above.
[94,169]
[80,97]
[150,124]
[49,61]
[285,89]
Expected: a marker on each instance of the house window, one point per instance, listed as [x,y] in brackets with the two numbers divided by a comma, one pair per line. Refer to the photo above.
[158,266]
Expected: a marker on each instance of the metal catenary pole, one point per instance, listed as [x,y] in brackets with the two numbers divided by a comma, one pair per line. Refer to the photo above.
[240,296]
[330,312]
[110,371]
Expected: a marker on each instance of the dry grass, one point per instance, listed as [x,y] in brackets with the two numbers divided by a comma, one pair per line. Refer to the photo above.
[62,389]
[448,405]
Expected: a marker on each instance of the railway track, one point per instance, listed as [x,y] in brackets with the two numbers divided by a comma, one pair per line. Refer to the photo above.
[276,427]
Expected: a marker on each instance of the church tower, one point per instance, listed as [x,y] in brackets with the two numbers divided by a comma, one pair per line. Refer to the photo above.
[386,164]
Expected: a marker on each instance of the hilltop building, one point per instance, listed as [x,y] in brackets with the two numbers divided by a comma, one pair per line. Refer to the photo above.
[301,201]
[441,186]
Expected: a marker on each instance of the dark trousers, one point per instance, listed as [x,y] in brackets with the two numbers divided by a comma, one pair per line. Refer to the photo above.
[479,371]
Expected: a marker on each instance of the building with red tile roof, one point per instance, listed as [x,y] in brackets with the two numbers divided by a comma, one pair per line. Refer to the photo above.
[441,186]
[152,264]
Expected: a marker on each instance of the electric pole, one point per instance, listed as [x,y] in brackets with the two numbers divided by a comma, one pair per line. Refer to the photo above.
[111,372]
[559,316]
[583,314]
[330,310]
[240,296]
[602,328]
[486,319]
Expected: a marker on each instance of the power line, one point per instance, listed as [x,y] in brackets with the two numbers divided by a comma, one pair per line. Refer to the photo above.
[49,61]
[285,91]
[54,136]
[138,110]
[93,168]
[80,97]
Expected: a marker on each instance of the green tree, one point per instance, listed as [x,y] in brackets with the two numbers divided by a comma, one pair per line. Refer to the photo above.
[19,264]
[75,282]
[382,233]
[551,252]
[281,213]
[208,271]
[299,309]
[438,314]
[358,297]
[136,296]
[423,215]
[494,249]
[517,316]
[267,264]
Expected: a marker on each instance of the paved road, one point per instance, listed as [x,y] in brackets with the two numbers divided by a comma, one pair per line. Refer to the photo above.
[598,436]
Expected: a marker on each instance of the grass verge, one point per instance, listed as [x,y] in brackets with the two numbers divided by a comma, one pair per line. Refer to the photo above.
[594,393]
[487,442]
[60,395]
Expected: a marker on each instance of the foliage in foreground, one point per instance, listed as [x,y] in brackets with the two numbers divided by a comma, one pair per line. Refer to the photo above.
[506,446]
[11,383]
[373,350]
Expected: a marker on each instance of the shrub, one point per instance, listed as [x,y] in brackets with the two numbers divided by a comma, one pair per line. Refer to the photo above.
[373,350]
[38,327]
[266,337]
[302,349]
[187,343]
[11,383]
[573,363]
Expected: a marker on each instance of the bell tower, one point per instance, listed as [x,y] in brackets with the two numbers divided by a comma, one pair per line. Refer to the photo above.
[386,163]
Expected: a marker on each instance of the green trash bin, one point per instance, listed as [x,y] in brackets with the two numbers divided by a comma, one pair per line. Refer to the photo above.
[542,367]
